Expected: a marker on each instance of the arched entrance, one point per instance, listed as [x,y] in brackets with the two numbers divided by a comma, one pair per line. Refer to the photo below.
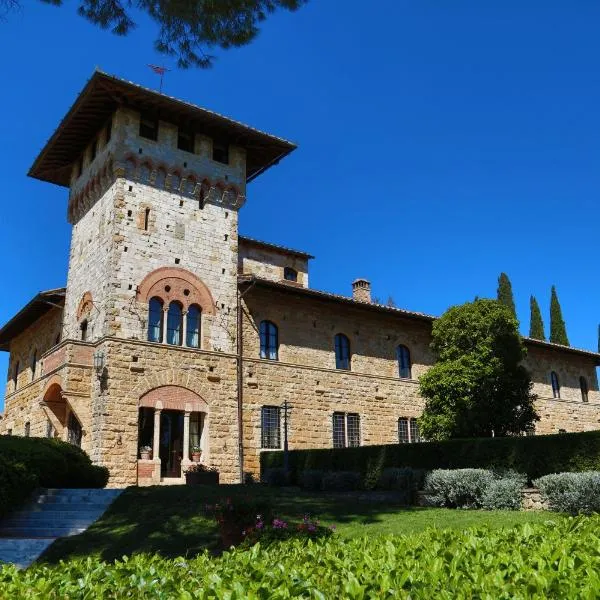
[62,421]
[172,432]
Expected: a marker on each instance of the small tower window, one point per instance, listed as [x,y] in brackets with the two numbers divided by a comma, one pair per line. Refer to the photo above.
[16,374]
[148,127]
[193,327]
[583,386]
[84,330]
[155,320]
[290,274]
[221,152]
[404,366]
[146,219]
[269,340]
[33,364]
[342,352]
[185,140]
[555,385]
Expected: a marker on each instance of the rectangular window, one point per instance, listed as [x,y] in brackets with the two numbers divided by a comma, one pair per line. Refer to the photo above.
[195,430]
[84,330]
[185,140]
[145,427]
[16,375]
[403,435]
[221,152]
[148,127]
[414,431]
[346,430]
[270,427]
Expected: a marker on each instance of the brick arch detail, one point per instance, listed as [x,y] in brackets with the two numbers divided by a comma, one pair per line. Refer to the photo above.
[55,380]
[85,305]
[179,280]
[173,397]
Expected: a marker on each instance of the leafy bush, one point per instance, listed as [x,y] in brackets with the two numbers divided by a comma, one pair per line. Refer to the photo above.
[504,493]
[556,559]
[27,463]
[276,477]
[572,493]
[341,481]
[460,488]
[311,479]
[400,479]
[532,455]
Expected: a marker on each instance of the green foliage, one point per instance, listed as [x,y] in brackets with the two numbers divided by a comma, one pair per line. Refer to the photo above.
[504,493]
[186,26]
[341,481]
[311,479]
[505,293]
[276,477]
[556,559]
[460,488]
[478,385]
[532,455]
[572,493]
[558,330]
[536,325]
[27,463]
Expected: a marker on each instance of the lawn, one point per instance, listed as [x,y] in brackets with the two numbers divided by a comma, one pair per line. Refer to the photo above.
[170,521]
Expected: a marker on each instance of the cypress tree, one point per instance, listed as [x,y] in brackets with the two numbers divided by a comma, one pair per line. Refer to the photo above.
[505,293]
[536,325]
[558,331]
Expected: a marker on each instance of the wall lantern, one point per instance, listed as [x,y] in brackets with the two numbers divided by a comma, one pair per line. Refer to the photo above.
[99,362]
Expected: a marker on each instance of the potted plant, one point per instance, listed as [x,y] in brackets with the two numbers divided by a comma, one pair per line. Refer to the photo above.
[198,474]
[196,453]
[146,452]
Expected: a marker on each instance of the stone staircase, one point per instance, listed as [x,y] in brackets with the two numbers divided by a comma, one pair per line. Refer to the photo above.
[25,534]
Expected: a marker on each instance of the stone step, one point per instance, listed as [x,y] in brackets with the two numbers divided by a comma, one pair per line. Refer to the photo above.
[55,515]
[38,532]
[22,552]
[77,497]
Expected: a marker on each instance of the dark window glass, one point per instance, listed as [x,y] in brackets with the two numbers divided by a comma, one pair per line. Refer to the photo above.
[221,152]
[414,431]
[270,427]
[33,364]
[353,429]
[27,429]
[342,352]
[16,373]
[269,342]
[83,327]
[145,427]
[290,274]
[146,219]
[185,140]
[555,385]
[196,425]
[174,324]
[584,389]
[148,128]
[339,430]
[155,320]
[193,327]
[403,435]
[74,431]
[404,366]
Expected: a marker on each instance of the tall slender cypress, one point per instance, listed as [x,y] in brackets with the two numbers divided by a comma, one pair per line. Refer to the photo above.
[505,293]
[558,331]
[536,325]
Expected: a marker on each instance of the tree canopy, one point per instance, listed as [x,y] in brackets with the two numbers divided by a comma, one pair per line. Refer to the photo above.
[186,27]
[478,387]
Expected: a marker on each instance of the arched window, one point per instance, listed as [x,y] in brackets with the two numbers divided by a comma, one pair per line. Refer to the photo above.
[34,364]
[193,327]
[555,385]
[404,366]
[161,177]
[175,324]
[269,340]
[145,173]
[175,182]
[155,320]
[583,386]
[290,274]
[342,352]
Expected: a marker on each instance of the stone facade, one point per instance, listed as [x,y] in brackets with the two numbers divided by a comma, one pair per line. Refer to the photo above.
[155,223]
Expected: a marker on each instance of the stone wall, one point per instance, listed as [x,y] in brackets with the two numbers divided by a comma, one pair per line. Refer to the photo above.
[269,263]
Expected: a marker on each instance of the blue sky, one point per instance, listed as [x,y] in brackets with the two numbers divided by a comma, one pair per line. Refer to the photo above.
[440,143]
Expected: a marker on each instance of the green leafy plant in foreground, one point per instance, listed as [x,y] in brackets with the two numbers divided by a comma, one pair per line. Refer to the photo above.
[556,559]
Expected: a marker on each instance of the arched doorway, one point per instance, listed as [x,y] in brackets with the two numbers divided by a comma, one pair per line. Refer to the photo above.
[172,428]
[62,421]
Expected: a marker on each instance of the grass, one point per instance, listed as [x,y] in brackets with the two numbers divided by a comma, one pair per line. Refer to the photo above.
[169,520]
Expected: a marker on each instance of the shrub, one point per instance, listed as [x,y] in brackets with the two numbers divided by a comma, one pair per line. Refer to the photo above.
[400,479]
[572,493]
[461,488]
[311,479]
[27,463]
[503,494]
[532,455]
[341,481]
[276,477]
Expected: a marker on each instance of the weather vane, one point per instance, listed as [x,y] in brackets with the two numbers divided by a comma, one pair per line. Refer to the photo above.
[159,71]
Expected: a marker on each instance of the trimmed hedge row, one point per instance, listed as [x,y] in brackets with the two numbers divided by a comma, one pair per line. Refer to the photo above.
[28,463]
[534,456]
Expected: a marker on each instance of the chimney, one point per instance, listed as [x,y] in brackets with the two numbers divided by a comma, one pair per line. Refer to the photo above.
[361,290]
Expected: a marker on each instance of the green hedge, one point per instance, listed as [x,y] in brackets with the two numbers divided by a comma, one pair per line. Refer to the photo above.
[28,463]
[533,456]
[557,559]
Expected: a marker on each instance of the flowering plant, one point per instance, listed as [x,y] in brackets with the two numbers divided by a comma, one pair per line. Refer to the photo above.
[200,468]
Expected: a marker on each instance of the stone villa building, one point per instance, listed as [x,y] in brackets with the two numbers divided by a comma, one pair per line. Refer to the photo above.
[174,333]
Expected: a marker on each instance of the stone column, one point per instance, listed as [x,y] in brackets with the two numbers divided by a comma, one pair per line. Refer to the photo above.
[184,333]
[156,442]
[186,436]
[165,321]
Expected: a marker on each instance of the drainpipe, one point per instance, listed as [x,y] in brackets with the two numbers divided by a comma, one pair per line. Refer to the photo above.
[240,377]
